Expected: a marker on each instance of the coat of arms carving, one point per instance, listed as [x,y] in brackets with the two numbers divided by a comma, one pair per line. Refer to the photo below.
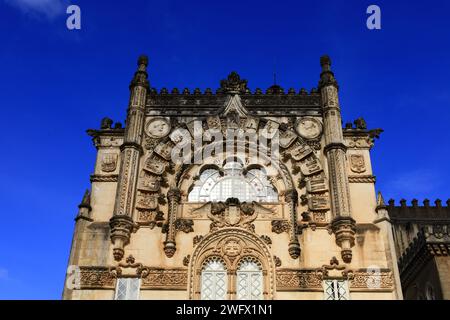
[109,162]
[357,163]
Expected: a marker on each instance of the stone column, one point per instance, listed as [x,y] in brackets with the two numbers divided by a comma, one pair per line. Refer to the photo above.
[343,225]
[122,222]
[173,197]
[291,197]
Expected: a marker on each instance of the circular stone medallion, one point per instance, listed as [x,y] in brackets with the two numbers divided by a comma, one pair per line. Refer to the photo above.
[308,128]
[157,128]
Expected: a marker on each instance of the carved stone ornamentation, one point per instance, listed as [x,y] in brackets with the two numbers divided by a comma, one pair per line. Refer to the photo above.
[357,163]
[309,128]
[316,184]
[165,278]
[184,225]
[362,179]
[299,151]
[310,165]
[149,182]
[277,261]
[173,196]
[150,218]
[148,201]
[267,240]
[186,260]
[157,128]
[121,228]
[232,213]
[287,138]
[318,202]
[92,277]
[280,226]
[109,162]
[292,279]
[344,228]
[197,239]
[233,84]
[154,166]
[165,150]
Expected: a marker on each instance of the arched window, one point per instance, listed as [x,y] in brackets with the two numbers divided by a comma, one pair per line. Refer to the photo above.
[233,183]
[214,280]
[249,280]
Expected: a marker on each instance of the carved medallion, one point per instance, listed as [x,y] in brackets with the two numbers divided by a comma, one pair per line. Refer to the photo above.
[232,247]
[357,163]
[308,128]
[109,162]
[157,128]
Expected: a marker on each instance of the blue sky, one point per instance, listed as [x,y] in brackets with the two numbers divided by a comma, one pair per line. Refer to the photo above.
[57,83]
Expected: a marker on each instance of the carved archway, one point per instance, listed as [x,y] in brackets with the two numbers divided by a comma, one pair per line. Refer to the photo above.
[280,172]
[232,245]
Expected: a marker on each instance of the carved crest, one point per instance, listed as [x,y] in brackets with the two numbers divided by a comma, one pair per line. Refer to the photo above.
[109,162]
[300,151]
[357,163]
[233,84]
[232,213]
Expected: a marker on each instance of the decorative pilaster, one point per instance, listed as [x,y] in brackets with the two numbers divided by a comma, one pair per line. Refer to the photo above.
[173,197]
[291,197]
[343,224]
[122,222]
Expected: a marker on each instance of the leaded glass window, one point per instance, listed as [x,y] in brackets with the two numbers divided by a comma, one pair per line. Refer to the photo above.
[214,280]
[233,183]
[249,277]
[128,288]
[336,289]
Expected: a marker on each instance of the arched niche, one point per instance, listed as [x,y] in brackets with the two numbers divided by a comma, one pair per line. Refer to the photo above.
[232,246]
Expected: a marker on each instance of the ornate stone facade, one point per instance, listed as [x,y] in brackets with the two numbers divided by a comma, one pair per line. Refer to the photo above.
[277,207]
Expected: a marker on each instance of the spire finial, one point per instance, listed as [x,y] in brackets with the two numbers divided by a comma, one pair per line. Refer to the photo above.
[380,200]
[86,201]
[325,62]
[327,76]
[143,60]
[140,76]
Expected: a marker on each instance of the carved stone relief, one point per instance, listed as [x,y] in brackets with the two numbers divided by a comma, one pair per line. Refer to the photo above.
[109,162]
[357,163]
[157,128]
[309,128]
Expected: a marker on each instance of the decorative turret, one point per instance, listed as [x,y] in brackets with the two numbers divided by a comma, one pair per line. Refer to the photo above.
[84,207]
[381,208]
[343,225]
[122,223]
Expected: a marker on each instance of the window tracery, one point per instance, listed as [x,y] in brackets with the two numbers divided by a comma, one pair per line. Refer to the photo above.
[233,182]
